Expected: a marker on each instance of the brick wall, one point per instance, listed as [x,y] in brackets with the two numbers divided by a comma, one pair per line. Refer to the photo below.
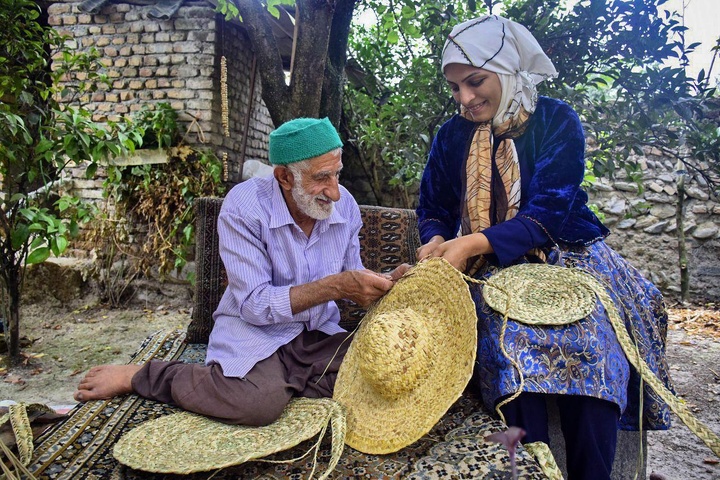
[175,61]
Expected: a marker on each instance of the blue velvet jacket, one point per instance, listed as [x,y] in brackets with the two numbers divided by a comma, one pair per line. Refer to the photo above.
[553,208]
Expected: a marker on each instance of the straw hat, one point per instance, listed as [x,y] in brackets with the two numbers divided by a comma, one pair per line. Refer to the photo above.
[539,294]
[185,442]
[410,359]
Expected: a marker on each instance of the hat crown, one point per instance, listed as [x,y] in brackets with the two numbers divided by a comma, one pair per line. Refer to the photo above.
[395,352]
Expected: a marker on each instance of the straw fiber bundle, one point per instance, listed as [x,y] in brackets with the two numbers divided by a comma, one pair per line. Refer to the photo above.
[169,444]
[410,359]
[17,429]
[540,294]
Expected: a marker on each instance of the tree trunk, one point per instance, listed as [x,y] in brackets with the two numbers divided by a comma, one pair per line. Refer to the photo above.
[312,24]
[11,309]
[334,81]
[316,82]
[682,246]
[275,92]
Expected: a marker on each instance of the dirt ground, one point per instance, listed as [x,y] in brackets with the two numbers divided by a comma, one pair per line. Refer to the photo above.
[63,342]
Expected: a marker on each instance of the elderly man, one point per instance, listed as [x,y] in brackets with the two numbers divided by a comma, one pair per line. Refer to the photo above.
[290,247]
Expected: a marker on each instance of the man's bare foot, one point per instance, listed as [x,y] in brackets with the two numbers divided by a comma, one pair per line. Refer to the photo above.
[106,381]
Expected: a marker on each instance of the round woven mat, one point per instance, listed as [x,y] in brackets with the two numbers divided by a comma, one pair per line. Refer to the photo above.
[444,313]
[186,443]
[541,294]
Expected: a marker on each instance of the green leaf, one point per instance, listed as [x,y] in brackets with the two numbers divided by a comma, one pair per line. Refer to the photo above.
[59,244]
[17,197]
[74,229]
[28,213]
[63,204]
[91,170]
[273,10]
[38,255]
[44,145]
[188,232]
[37,242]
[408,12]
[19,236]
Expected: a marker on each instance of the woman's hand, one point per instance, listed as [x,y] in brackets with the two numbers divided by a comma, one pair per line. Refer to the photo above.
[429,247]
[458,250]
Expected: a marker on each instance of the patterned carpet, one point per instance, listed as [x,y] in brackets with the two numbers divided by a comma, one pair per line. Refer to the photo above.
[81,447]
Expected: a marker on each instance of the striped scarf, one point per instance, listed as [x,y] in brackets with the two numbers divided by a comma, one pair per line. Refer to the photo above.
[492,192]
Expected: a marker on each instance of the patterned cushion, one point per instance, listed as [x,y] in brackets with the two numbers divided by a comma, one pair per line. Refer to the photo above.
[388,238]
[210,276]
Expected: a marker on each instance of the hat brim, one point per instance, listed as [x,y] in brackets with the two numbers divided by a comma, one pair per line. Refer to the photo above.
[169,444]
[378,425]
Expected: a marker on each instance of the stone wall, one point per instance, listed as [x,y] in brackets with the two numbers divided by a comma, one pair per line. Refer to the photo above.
[644,229]
[177,61]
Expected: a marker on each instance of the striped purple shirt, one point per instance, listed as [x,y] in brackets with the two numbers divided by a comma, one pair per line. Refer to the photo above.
[265,253]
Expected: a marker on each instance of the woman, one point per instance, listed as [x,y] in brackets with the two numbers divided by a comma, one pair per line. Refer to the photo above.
[501,187]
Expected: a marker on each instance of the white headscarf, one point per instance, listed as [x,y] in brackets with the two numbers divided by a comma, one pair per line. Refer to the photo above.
[507,48]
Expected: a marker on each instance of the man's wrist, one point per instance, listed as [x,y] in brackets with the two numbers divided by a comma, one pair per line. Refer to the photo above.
[333,285]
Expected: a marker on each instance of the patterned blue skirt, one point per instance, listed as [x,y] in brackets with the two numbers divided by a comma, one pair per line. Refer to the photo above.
[583,358]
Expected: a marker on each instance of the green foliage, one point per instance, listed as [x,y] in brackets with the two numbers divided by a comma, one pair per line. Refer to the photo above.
[147,219]
[397,95]
[39,138]
[228,9]
[612,62]
[158,126]
[160,197]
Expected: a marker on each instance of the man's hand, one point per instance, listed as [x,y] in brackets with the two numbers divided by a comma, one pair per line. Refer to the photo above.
[364,286]
[399,271]
[361,286]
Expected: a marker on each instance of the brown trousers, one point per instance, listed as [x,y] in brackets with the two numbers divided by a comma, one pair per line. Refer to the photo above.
[295,369]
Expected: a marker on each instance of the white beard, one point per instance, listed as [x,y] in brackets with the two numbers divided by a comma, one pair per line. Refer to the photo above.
[309,206]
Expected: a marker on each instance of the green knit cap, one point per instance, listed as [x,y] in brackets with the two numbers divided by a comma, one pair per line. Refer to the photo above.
[302,138]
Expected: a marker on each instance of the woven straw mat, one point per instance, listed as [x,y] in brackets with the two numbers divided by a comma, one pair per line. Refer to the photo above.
[170,444]
[540,294]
